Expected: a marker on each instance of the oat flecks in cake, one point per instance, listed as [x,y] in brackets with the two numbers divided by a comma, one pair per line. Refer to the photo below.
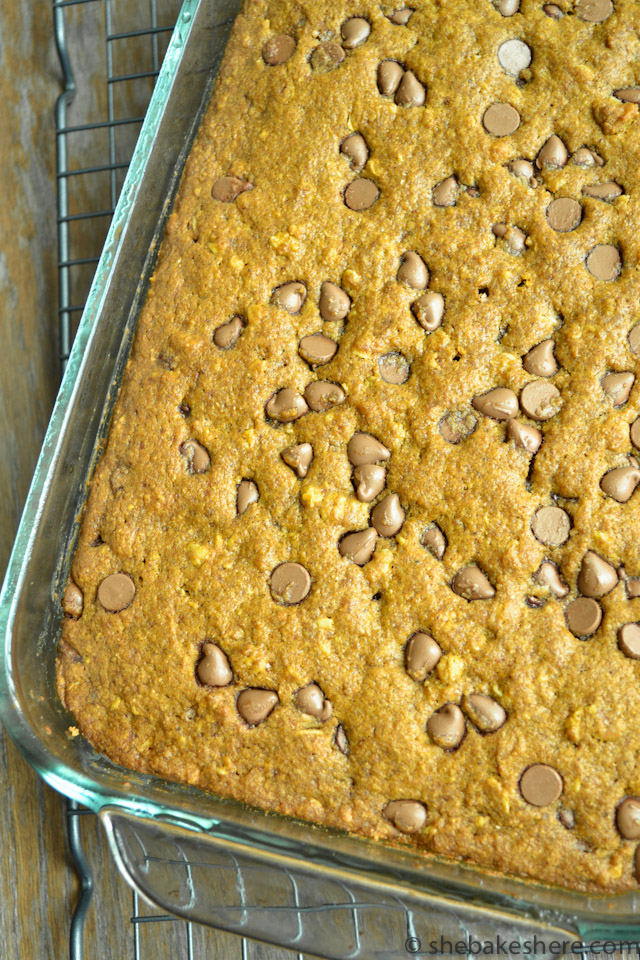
[263,267]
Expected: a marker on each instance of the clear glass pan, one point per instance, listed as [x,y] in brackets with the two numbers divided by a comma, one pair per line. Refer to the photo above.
[210,860]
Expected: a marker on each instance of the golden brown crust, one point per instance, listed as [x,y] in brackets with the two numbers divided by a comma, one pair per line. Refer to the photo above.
[202,572]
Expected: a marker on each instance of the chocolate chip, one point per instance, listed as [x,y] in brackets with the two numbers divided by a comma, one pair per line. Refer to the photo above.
[429,310]
[564,214]
[388,516]
[278,50]
[540,400]
[413,271]
[629,640]
[553,10]
[620,484]
[445,193]
[524,170]
[326,56]
[363,448]
[499,404]
[227,189]
[401,17]
[317,349]
[254,704]
[628,818]
[322,395]
[583,616]
[248,493]
[472,584]
[341,740]
[227,335]
[213,669]
[394,368]
[370,480]
[435,541]
[597,577]
[604,262]
[311,700]
[411,92]
[72,601]
[634,433]
[603,191]
[359,546]
[286,405]
[501,119]
[355,148]
[553,155]
[290,296]
[446,726]
[299,458]
[407,816]
[421,655]
[116,592]
[507,8]
[354,32]
[290,583]
[197,456]
[628,94]
[617,386]
[484,712]
[389,76]
[334,302]
[514,56]
[551,526]
[524,436]
[361,194]
[547,576]
[457,425]
[587,158]
[634,339]
[515,238]
[541,785]
[633,587]
[636,864]
[540,361]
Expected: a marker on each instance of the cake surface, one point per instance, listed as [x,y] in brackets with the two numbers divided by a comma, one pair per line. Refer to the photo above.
[397,298]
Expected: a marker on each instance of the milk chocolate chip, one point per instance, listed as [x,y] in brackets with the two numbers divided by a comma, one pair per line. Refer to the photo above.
[354,32]
[628,94]
[311,700]
[499,404]
[197,457]
[286,405]
[388,516]
[429,310]
[524,170]
[446,726]
[620,484]
[389,76]
[361,194]
[421,655]
[553,155]
[359,546]
[634,339]
[445,193]
[472,584]
[116,592]
[634,433]
[551,526]
[603,191]
[564,214]
[413,271]
[526,437]
[290,583]
[411,92]
[629,640]
[401,17]
[355,148]
[457,425]
[72,601]
[227,335]
[515,239]
[321,395]
[278,50]
[594,11]
[587,158]
[604,262]
[394,368]
[501,119]
[583,616]
[435,541]
[597,577]
[370,480]
[484,712]
[290,296]
[617,386]
[540,400]
[540,361]
[317,349]
[553,10]
[628,818]
[541,785]
[248,493]
[254,705]
[507,8]
[547,576]
[514,56]
[633,588]
[299,458]
[341,741]
[227,189]
[334,302]
[407,816]
[213,669]
[363,448]
[326,56]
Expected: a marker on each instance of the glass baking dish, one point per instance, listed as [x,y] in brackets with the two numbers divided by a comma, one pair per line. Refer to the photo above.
[203,858]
